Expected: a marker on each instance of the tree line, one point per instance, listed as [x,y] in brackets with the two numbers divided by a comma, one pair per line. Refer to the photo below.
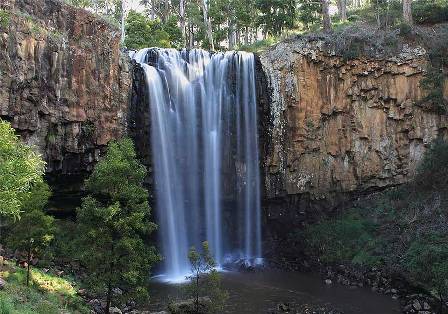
[222,24]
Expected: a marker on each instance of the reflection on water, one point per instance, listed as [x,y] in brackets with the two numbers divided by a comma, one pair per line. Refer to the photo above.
[252,293]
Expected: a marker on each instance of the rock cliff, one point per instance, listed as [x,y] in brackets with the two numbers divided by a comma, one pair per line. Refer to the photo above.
[64,84]
[338,128]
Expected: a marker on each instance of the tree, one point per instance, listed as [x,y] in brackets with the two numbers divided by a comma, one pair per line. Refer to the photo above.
[326,19]
[309,12]
[34,231]
[342,8]
[207,23]
[141,32]
[276,15]
[20,168]
[114,225]
[205,279]
[407,11]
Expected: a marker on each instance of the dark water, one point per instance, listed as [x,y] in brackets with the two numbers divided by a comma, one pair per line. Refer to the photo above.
[253,293]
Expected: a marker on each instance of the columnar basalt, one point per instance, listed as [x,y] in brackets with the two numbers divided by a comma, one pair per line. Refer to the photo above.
[64,83]
[340,128]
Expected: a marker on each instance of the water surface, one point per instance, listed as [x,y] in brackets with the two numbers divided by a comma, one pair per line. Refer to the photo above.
[253,293]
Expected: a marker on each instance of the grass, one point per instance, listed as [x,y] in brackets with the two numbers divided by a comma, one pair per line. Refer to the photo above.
[5,17]
[47,293]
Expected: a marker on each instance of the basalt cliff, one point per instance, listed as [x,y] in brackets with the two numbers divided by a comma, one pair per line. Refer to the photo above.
[64,84]
[336,129]
[330,128]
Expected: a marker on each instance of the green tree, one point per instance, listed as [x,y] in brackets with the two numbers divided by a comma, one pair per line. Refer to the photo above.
[205,279]
[141,32]
[114,225]
[20,169]
[34,231]
[276,15]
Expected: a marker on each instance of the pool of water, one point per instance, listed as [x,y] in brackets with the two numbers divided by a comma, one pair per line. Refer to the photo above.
[253,293]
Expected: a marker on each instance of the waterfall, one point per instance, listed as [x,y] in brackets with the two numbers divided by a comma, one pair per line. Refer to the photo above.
[205,154]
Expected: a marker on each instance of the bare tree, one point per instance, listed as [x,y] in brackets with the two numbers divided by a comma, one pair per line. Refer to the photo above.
[342,8]
[207,23]
[326,19]
[182,20]
[407,11]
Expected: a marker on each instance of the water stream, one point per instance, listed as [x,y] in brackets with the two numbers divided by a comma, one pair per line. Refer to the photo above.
[205,153]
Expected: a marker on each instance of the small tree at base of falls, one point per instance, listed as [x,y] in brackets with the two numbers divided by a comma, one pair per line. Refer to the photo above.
[205,281]
[114,226]
[34,231]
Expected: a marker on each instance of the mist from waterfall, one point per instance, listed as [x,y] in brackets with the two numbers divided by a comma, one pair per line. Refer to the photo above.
[205,154]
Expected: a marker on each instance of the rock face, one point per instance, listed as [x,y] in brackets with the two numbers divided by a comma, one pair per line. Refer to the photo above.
[336,128]
[64,84]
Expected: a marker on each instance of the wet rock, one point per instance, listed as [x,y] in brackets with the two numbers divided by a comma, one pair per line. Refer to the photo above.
[114,310]
[189,306]
[2,283]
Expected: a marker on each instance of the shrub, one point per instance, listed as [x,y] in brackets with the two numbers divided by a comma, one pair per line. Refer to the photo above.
[430,11]
[5,17]
[427,259]
[347,238]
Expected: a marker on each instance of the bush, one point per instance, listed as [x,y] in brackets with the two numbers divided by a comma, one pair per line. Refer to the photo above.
[5,17]
[348,238]
[427,259]
[430,11]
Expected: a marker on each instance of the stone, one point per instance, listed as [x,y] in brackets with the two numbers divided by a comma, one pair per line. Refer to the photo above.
[416,305]
[65,91]
[328,281]
[336,127]
[117,291]
[188,306]
[114,310]
[2,283]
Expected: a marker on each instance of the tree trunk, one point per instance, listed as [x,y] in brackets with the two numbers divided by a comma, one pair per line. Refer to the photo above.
[342,8]
[182,20]
[123,19]
[407,11]
[28,262]
[208,24]
[326,20]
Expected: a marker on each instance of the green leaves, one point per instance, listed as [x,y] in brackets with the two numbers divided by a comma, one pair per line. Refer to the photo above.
[20,169]
[143,32]
[114,223]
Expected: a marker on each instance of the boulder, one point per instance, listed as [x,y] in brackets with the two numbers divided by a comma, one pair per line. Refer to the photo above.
[189,306]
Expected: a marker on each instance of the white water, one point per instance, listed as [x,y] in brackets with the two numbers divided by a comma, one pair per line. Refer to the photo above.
[205,154]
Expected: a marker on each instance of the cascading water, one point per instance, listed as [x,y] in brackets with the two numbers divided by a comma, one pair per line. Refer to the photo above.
[205,153]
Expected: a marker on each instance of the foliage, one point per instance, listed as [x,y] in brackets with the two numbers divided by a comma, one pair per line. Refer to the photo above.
[260,45]
[402,229]
[427,259]
[47,293]
[205,279]
[114,224]
[143,32]
[33,232]
[276,15]
[309,13]
[347,238]
[430,11]
[433,84]
[5,17]
[20,167]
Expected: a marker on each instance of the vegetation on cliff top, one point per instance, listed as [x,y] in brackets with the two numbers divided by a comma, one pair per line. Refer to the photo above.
[403,229]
